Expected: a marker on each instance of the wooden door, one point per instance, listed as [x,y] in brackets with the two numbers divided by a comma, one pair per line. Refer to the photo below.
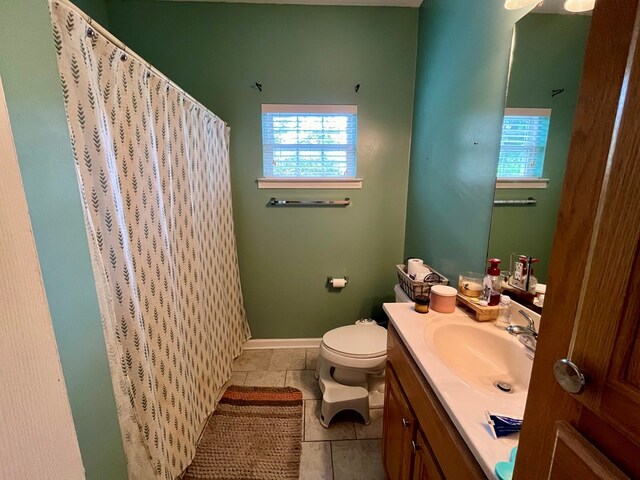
[592,310]
[425,465]
[398,426]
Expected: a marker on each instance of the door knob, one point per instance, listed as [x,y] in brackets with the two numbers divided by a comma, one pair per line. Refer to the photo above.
[414,446]
[569,376]
[405,423]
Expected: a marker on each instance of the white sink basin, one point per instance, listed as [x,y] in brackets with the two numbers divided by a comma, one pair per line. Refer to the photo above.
[486,359]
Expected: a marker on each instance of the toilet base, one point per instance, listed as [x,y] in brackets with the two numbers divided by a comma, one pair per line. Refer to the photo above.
[376,399]
[376,390]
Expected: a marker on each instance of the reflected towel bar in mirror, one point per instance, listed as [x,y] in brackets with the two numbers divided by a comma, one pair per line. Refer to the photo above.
[274,202]
[529,201]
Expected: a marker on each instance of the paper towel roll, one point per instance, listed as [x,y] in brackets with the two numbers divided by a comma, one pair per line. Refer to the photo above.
[422,271]
[414,265]
[421,276]
[339,283]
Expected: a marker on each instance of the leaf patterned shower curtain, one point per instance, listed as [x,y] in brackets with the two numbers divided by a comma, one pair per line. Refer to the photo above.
[153,172]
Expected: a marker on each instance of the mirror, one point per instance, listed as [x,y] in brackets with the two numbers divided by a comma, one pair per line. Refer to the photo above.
[545,70]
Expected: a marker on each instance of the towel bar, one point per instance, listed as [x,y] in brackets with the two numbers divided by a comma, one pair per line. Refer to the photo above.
[528,201]
[274,202]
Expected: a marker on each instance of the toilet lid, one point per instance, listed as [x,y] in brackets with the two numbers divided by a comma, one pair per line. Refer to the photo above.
[357,340]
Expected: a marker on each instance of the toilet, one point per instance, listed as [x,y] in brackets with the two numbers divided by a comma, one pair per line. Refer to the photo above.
[350,369]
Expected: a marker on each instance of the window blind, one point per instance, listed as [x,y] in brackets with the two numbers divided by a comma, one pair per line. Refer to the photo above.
[309,141]
[524,142]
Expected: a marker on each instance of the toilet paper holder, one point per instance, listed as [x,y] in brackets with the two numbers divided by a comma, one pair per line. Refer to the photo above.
[330,282]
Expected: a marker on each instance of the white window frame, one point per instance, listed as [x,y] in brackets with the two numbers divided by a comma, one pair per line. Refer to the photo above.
[309,182]
[523,182]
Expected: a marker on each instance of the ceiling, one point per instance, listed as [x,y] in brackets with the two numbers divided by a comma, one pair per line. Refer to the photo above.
[545,6]
[368,3]
[555,6]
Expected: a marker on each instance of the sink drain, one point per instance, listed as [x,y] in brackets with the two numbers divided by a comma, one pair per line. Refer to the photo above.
[502,386]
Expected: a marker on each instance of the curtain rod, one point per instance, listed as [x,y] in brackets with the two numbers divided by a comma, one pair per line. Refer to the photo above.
[120,44]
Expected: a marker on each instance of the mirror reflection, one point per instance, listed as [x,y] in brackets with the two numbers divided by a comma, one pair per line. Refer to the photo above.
[544,78]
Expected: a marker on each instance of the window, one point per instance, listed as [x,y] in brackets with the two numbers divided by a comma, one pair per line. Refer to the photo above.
[523,144]
[309,144]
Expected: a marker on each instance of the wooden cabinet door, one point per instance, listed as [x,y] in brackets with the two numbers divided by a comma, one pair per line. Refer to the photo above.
[425,465]
[398,427]
[592,311]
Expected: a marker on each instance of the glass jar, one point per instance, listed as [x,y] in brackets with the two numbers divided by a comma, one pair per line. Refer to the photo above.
[470,284]
[422,304]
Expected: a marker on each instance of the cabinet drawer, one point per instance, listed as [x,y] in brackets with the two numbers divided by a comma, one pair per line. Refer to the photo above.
[450,450]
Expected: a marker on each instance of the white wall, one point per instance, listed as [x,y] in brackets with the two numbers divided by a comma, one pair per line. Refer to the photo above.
[37,435]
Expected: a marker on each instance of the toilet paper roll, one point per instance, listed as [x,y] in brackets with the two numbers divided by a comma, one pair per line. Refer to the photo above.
[338,283]
[414,265]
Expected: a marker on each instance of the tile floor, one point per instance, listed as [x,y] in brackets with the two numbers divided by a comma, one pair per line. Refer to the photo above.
[348,449]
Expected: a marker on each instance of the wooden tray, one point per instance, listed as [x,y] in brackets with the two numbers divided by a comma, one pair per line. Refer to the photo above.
[482,314]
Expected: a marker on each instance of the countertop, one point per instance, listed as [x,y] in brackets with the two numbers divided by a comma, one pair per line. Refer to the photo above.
[465,404]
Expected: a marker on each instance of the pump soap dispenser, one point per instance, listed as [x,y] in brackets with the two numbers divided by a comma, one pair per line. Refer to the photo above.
[492,284]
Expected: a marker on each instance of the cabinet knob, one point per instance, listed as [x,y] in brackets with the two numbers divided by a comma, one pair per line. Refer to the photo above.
[414,446]
[405,423]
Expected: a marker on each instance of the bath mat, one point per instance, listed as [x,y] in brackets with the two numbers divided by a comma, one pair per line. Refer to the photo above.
[255,433]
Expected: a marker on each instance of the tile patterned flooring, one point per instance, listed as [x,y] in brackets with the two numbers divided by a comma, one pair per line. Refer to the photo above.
[348,449]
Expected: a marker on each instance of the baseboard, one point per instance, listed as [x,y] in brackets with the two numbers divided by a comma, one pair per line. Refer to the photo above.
[267,343]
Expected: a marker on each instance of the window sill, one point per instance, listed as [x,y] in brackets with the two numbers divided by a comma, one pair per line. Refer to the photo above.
[337,183]
[522,183]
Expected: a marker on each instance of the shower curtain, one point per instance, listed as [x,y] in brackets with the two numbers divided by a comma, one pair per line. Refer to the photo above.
[153,172]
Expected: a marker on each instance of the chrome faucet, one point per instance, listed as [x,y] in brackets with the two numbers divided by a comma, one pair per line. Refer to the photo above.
[528,335]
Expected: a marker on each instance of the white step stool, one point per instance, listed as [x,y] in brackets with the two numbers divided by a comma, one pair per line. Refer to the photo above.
[337,397]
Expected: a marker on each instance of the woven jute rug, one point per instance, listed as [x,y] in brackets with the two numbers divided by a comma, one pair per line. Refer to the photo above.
[255,433]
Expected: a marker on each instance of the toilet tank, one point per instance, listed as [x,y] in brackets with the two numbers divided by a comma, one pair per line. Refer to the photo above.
[401,297]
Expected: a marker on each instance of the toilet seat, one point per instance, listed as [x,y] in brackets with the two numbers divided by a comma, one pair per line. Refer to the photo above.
[356,346]
[364,341]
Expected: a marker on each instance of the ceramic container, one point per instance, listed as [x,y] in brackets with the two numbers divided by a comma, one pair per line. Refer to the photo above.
[443,299]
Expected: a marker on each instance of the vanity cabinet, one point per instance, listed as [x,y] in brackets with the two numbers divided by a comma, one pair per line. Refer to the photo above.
[419,439]
[425,465]
[399,429]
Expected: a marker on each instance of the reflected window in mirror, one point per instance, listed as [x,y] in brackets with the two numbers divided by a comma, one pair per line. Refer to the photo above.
[524,142]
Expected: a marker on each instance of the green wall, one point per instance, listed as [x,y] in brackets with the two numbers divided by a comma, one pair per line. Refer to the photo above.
[548,55]
[96,9]
[301,54]
[463,55]
[30,76]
